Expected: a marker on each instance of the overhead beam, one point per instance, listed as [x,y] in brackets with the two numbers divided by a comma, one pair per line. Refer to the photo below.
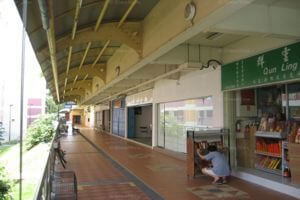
[85,84]
[99,66]
[161,40]
[108,31]
[119,25]
[99,20]
[74,98]
[50,38]
[101,53]
[76,17]
[86,69]
[77,92]
[185,66]
[127,13]
[93,52]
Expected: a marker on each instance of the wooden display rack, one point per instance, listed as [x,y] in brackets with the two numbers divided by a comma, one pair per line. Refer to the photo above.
[201,139]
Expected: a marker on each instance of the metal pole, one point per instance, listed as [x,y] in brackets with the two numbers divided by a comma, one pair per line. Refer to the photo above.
[22,92]
[9,128]
[29,116]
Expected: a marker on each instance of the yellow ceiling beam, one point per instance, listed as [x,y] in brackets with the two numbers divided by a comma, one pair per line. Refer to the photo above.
[85,84]
[101,53]
[127,13]
[133,3]
[86,69]
[108,31]
[99,20]
[76,18]
[77,92]
[52,48]
[74,98]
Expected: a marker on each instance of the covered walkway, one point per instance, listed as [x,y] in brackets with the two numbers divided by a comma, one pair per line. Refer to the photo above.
[108,167]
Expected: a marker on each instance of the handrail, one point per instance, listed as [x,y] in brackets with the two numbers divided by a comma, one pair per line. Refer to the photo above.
[44,188]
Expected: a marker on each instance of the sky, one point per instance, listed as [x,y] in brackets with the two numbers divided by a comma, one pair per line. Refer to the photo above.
[10,63]
[10,52]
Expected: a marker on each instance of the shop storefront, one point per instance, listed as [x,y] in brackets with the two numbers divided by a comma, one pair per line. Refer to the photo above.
[262,104]
[118,117]
[187,104]
[102,118]
[139,117]
[176,118]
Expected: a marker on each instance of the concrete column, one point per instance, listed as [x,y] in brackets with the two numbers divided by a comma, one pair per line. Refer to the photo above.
[111,116]
[229,119]
[92,117]
[126,122]
[154,125]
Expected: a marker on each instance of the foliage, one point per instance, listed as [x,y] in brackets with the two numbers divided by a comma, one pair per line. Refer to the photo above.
[51,106]
[5,185]
[7,146]
[41,130]
[2,131]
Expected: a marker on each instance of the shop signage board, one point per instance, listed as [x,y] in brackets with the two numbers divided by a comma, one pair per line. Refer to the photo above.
[68,104]
[282,64]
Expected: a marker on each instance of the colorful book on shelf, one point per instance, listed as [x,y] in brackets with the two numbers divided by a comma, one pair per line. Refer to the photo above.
[277,164]
[274,148]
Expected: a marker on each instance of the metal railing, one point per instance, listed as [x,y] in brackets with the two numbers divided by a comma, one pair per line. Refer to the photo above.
[44,188]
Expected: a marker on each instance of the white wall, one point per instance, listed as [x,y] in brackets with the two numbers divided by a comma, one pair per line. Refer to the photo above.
[145,97]
[251,46]
[101,107]
[193,85]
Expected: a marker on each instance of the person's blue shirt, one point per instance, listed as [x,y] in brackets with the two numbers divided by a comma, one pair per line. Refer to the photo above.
[219,162]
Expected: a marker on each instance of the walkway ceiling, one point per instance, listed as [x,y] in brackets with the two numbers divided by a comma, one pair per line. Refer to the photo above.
[83,35]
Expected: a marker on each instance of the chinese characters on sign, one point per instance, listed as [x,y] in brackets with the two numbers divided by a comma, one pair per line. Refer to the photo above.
[274,66]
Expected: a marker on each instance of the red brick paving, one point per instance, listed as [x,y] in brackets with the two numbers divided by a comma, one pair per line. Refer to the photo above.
[171,182]
[113,191]
[96,177]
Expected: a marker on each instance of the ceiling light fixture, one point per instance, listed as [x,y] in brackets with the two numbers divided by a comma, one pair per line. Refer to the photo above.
[189,11]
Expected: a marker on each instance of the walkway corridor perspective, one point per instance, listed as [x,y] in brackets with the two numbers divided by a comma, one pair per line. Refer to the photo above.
[108,167]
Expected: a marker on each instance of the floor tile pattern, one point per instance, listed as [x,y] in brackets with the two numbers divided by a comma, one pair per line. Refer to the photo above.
[167,175]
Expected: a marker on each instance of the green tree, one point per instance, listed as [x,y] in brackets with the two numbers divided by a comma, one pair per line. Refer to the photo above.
[5,185]
[2,131]
[41,130]
[51,106]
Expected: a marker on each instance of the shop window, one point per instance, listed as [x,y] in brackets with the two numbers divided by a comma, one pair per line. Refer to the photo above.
[175,118]
[294,101]
[209,113]
[201,113]
[179,114]
[262,140]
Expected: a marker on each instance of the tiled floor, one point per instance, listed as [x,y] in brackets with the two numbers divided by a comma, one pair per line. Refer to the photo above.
[108,167]
[97,177]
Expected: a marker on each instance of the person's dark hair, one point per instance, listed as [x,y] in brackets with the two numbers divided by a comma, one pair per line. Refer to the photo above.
[212,148]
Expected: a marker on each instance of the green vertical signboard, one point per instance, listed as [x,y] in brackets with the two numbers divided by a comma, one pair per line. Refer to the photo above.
[278,65]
